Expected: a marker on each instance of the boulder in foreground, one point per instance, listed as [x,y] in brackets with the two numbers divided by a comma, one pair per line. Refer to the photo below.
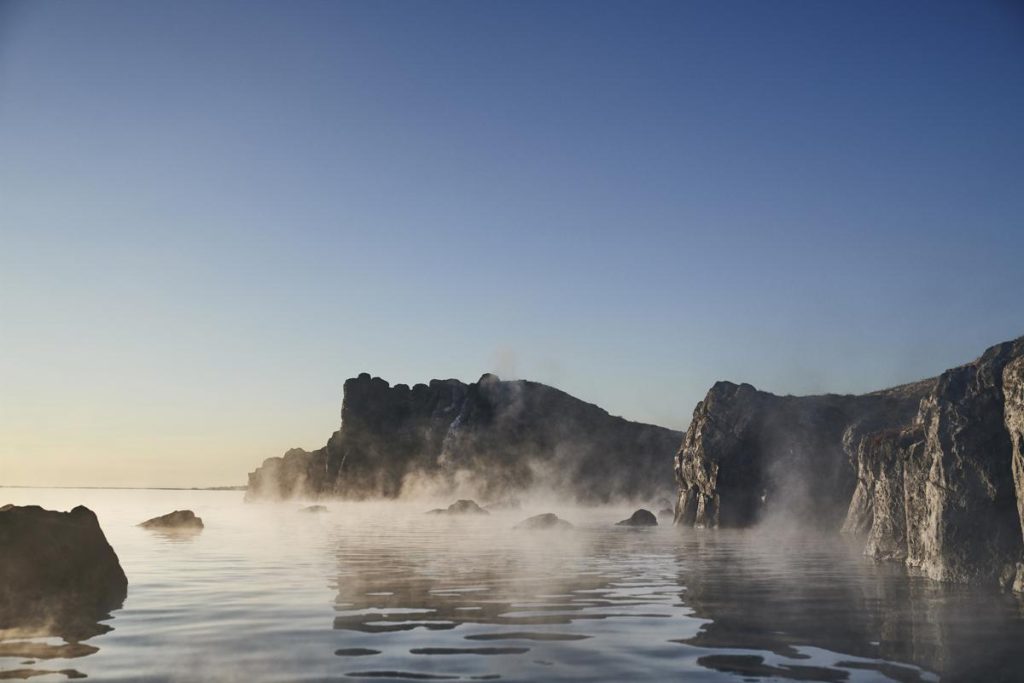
[177,520]
[548,520]
[640,518]
[54,564]
[460,507]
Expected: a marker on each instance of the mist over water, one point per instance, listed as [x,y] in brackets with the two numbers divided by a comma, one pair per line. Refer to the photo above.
[381,591]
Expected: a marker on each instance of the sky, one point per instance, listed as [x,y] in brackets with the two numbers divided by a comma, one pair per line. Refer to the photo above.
[213,213]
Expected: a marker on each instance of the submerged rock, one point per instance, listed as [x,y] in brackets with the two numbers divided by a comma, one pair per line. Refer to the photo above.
[179,519]
[501,437]
[314,509]
[640,518]
[460,507]
[547,520]
[55,565]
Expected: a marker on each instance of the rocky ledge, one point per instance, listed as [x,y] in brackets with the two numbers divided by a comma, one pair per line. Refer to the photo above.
[929,474]
[55,566]
[491,438]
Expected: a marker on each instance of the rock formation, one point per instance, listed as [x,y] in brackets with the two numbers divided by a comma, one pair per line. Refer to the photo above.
[491,437]
[177,520]
[55,566]
[640,518]
[930,474]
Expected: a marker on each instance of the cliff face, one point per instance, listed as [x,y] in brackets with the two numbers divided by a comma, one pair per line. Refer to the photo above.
[749,454]
[492,437]
[930,474]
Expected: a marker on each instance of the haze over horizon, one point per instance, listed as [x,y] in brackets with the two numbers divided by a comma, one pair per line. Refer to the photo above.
[213,213]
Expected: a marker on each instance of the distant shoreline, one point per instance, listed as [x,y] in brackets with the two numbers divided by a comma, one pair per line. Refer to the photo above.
[133,488]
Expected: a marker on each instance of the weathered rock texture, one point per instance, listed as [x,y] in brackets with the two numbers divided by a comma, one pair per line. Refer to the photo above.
[55,566]
[930,474]
[489,438]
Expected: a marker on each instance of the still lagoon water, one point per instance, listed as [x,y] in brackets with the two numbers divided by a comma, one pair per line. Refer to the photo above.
[381,591]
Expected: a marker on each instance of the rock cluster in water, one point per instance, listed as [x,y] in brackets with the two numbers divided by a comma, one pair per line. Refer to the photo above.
[55,565]
[496,437]
[929,474]
[177,520]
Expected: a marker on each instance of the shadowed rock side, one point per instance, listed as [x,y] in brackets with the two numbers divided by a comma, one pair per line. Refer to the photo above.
[928,474]
[492,437]
[56,567]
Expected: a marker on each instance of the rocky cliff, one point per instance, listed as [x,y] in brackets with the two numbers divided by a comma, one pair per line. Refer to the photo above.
[930,474]
[489,437]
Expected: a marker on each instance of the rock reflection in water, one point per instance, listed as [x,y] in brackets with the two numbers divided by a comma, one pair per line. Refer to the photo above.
[788,595]
[477,605]
[22,642]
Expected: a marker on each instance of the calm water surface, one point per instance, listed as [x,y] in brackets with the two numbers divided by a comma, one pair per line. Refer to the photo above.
[371,591]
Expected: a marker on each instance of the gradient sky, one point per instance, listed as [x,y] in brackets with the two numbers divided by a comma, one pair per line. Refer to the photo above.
[212,213]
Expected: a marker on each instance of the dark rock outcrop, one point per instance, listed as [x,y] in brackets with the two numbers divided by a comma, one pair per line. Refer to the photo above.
[179,520]
[491,437]
[928,474]
[313,509]
[547,520]
[749,454]
[460,507]
[55,566]
[640,518]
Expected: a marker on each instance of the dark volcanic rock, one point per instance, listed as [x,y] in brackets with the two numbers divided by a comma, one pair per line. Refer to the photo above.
[177,520]
[547,520]
[460,507]
[929,474]
[494,437]
[640,518]
[55,565]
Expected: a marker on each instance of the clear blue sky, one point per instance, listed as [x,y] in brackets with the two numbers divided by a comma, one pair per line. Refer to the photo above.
[213,213]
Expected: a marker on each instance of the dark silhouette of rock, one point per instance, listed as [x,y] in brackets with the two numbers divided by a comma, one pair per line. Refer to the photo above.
[460,507]
[547,520]
[177,520]
[928,474]
[500,437]
[56,566]
[640,518]
[314,509]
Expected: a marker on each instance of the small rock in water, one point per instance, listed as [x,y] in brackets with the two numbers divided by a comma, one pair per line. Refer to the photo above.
[179,519]
[314,508]
[548,520]
[640,518]
[460,507]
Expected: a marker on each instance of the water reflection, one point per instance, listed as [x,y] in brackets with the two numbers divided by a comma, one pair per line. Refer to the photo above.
[60,636]
[792,596]
[610,604]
